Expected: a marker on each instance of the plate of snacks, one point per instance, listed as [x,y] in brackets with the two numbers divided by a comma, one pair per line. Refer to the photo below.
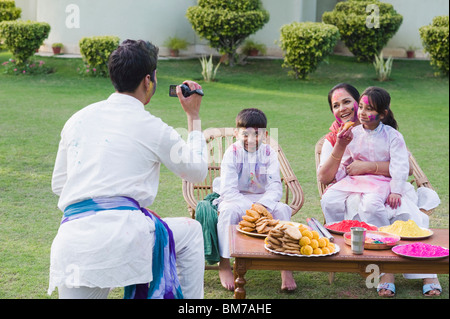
[407,230]
[291,240]
[344,226]
[421,251]
[257,221]
[375,240]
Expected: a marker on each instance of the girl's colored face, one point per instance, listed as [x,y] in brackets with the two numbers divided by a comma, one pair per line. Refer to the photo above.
[344,106]
[367,114]
[251,138]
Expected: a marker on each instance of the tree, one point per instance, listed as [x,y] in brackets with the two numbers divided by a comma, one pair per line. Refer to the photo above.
[226,24]
[8,10]
[365,26]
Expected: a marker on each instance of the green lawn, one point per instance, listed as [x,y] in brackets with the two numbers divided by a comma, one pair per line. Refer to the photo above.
[33,110]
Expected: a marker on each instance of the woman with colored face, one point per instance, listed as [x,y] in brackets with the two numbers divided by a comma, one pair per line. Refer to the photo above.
[382,199]
[343,101]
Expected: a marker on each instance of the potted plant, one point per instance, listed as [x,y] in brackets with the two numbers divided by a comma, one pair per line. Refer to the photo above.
[411,52]
[56,47]
[175,44]
[253,48]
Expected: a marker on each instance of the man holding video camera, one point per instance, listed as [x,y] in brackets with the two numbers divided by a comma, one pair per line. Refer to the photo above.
[106,173]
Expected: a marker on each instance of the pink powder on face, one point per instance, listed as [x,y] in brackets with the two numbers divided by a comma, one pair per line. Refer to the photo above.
[338,94]
[365,99]
[355,109]
[421,250]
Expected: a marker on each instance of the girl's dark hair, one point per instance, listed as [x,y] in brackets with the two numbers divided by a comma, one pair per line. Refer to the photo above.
[251,118]
[349,88]
[130,63]
[380,99]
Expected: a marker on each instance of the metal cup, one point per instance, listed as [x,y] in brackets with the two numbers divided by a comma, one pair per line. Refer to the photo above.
[358,237]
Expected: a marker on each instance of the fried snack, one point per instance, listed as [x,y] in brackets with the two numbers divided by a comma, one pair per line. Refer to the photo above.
[293,232]
[249,218]
[258,219]
[245,223]
[252,213]
[261,210]
[346,126]
[284,239]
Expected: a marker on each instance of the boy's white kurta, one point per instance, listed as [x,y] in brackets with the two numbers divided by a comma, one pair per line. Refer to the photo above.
[382,144]
[115,148]
[246,178]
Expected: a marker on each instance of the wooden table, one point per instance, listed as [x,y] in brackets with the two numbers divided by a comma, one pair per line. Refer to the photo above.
[249,253]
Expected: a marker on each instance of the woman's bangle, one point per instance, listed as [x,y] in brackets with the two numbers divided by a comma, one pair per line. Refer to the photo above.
[376,171]
[335,158]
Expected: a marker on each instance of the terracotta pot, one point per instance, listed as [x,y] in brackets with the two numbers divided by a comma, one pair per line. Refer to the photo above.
[410,54]
[56,50]
[174,53]
[253,52]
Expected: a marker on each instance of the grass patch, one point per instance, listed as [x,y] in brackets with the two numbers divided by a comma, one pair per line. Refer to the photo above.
[33,110]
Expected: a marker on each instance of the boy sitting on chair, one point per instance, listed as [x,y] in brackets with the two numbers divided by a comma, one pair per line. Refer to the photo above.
[250,173]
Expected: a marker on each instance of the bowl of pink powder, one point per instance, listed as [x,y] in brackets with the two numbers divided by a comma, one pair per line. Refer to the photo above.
[421,251]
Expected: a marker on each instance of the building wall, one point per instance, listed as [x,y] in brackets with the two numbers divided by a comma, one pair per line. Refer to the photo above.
[156,20]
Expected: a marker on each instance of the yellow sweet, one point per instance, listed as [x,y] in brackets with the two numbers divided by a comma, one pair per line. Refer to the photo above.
[314,243]
[304,241]
[331,247]
[325,250]
[306,250]
[326,240]
[317,251]
[308,234]
[405,229]
[302,227]
[322,242]
[315,234]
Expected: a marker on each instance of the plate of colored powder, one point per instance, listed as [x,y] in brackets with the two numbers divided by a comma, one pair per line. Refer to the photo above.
[344,226]
[421,251]
[407,230]
[375,240]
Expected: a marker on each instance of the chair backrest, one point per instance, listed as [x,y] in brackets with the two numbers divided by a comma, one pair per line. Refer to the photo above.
[419,177]
[218,140]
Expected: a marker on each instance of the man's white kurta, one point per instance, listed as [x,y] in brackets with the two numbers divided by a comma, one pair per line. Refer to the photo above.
[115,148]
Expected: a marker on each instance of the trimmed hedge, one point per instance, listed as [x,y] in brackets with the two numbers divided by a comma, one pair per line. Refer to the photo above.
[305,45]
[8,10]
[23,38]
[435,42]
[226,24]
[358,28]
[96,51]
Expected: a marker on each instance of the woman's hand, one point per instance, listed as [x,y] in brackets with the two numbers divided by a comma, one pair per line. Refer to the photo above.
[344,137]
[394,200]
[357,167]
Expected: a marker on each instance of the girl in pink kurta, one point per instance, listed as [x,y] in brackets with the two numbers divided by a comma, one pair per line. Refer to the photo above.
[377,139]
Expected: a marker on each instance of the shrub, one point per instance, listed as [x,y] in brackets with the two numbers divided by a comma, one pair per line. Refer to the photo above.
[365,26]
[226,24]
[306,44]
[208,69]
[435,42]
[29,68]
[23,38]
[96,51]
[8,10]
[382,68]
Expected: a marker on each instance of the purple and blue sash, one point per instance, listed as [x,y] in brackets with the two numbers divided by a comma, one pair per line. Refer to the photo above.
[165,283]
